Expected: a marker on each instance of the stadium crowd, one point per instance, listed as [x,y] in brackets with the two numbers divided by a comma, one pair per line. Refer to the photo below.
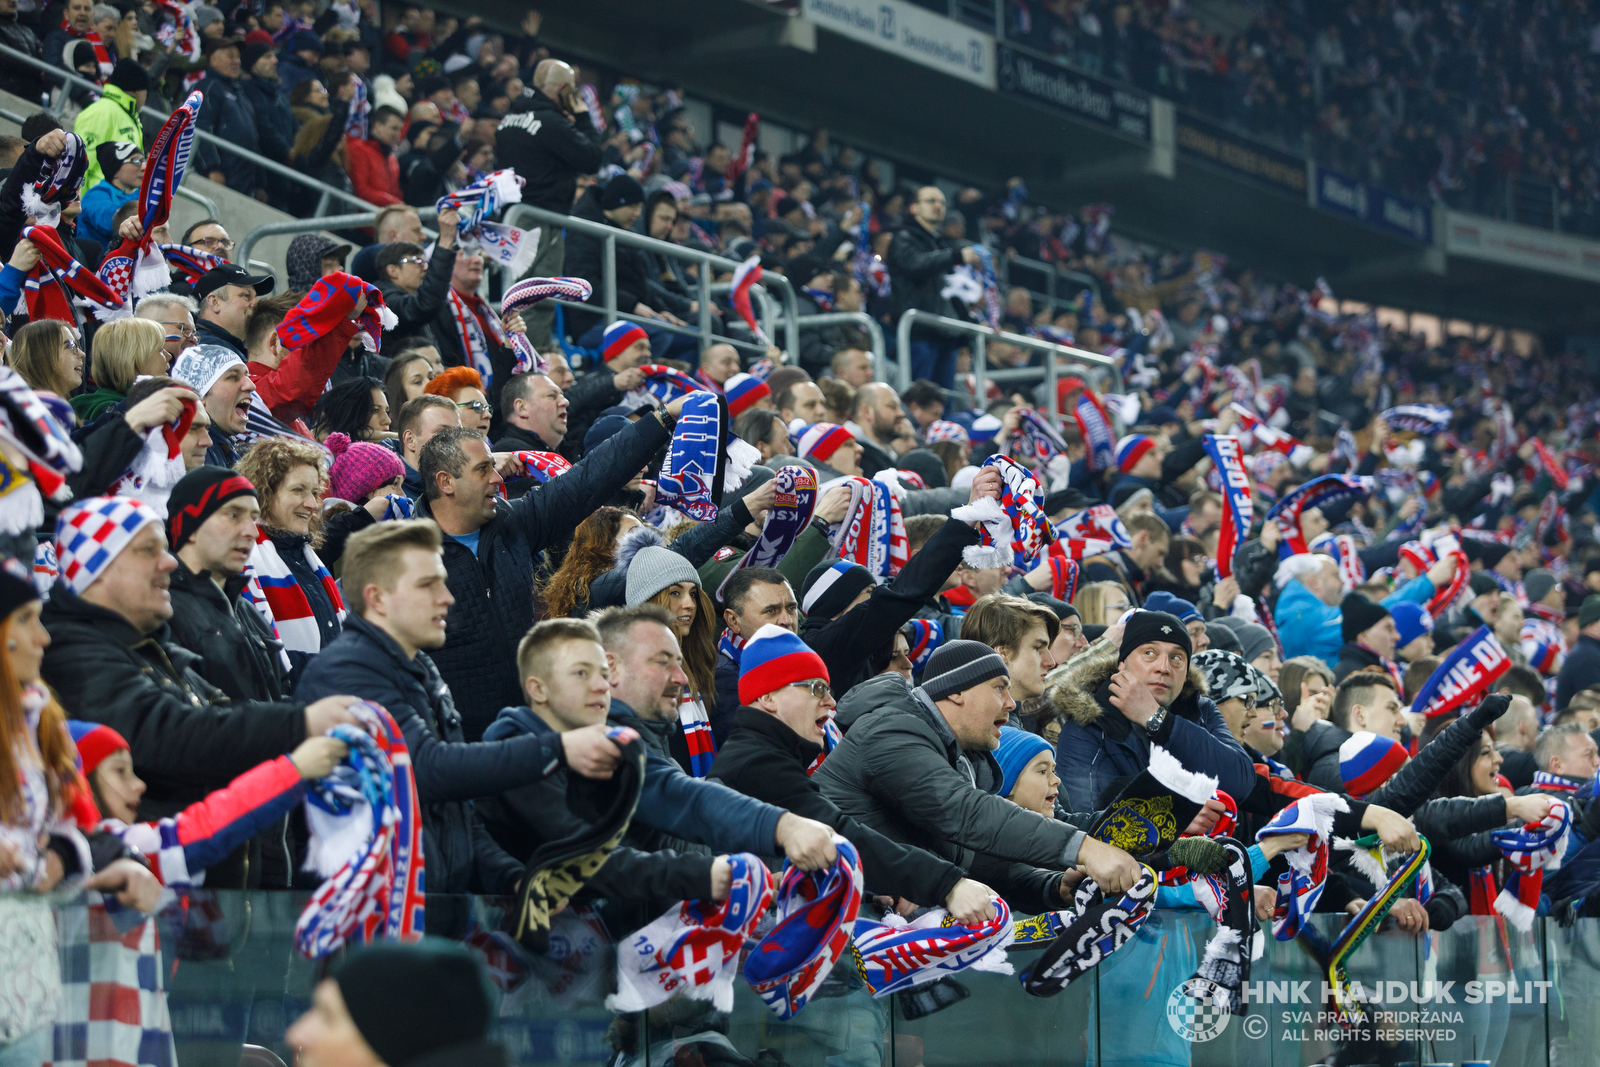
[1338,580]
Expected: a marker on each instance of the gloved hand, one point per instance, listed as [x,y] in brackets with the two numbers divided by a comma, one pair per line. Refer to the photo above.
[1494,705]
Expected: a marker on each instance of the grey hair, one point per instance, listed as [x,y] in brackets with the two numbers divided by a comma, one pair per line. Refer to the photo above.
[105,11]
[151,305]
[1553,742]
[444,452]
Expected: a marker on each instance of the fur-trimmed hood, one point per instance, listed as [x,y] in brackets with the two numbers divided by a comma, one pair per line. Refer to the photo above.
[1071,687]
[640,537]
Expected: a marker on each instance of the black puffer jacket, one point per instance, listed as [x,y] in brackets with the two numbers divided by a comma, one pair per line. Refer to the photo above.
[187,738]
[765,759]
[918,262]
[1458,828]
[547,149]
[238,654]
[450,774]
[494,589]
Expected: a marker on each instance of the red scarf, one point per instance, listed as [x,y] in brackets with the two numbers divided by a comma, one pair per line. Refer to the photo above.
[476,324]
[102,58]
[48,283]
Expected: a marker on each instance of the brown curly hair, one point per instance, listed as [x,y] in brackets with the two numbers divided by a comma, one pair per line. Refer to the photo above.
[699,644]
[267,466]
[593,553]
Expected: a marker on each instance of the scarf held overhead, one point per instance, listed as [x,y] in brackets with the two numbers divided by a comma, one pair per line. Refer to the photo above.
[1238,512]
[1465,677]
[329,302]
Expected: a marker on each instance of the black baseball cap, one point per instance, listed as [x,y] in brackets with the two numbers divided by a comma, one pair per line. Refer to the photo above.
[232,274]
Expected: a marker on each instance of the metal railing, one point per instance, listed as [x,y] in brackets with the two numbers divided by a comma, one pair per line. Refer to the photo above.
[606,305]
[275,167]
[327,222]
[981,336]
[880,352]
[1051,272]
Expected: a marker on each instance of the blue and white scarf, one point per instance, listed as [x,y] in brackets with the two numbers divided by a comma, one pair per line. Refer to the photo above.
[691,478]
[794,502]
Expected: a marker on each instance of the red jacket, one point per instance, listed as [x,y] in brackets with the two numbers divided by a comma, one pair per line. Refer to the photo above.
[293,386]
[374,172]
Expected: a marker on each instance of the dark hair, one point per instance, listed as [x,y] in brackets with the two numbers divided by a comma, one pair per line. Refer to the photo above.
[1293,674]
[1523,682]
[754,427]
[923,393]
[189,233]
[383,113]
[1457,780]
[1003,621]
[411,412]
[392,253]
[1353,691]
[739,583]
[445,452]
[37,125]
[1416,675]
[660,196]
[265,317]
[785,399]
[346,409]
[468,73]
[517,387]
[394,379]
[615,624]
[145,388]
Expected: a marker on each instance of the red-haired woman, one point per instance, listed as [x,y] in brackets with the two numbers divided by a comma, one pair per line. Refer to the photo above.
[464,388]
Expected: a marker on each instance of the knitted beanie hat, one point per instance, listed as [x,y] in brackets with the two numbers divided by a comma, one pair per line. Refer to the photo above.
[1227,675]
[831,586]
[821,440]
[772,659]
[95,742]
[16,585]
[744,391]
[960,665]
[200,366]
[1144,627]
[1017,750]
[111,155]
[653,569]
[1254,639]
[923,638]
[1589,611]
[196,496]
[1537,583]
[1161,600]
[1411,621]
[92,533]
[1360,615]
[1266,689]
[409,1000]
[1219,635]
[618,336]
[359,467]
[1481,583]
[1366,760]
[1131,449]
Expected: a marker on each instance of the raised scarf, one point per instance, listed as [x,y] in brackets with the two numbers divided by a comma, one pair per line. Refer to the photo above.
[1531,849]
[158,466]
[189,261]
[1014,531]
[794,502]
[180,34]
[524,295]
[1301,886]
[693,948]
[1465,677]
[1321,493]
[359,120]
[1098,927]
[59,282]
[542,466]
[1229,898]
[1035,441]
[507,245]
[1543,644]
[894,955]
[1095,427]
[56,184]
[330,302]
[692,476]
[1367,856]
[1419,418]
[135,269]
[745,276]
[1097,523]
[1444,599]
[366,841]
[476,326]
[102,57]
[284,604]
[666,383]
[873,532]
[1238,510]
[815,913]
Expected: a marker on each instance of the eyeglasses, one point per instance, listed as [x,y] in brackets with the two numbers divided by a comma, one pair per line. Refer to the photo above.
[1248,700]
[72,346]
[818,687]
[475,405]
[418,260]
[221,244]
[185,331]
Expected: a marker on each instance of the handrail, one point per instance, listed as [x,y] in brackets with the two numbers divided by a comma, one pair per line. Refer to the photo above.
[259,160]
[519,214]
[327,222]
[1051,272]
[880,351]
[981,336]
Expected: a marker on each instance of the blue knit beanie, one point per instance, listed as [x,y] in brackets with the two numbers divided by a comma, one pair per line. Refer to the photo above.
[1016,751]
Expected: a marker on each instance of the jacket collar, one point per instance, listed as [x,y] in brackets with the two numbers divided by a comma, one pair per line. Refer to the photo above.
[391,647]
[122,98]
[530,440]
[210,331]
[656,732]
[515,722]
[425,511]
[202,583]
[774,730]
[1081,691]
[65,605]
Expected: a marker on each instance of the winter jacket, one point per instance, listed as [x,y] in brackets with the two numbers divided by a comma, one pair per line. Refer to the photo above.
[238,654]
[548,150]
[187,737]
[450,772]
[697,545]
[291,389]
[846,644]
[494,589]
[587,397]
[1579,672]
[524,818]
[1353,657]
[276,125]
[374,171]
[1458,829]
[19,79]
[1099,744]
[918,262]
[1308,627]
[113,117]
[879,691]
[229,116]
[764,758]
[417,311]
[584,259]
[209,333]
[100,206]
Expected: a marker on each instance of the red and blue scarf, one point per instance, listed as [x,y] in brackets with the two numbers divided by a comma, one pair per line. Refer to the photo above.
[1035,441]
[59,282]
[1531,850]
[873,532]
[1095,427]
[283,603]
[794,502]
[1466,676]
[330,302]
[815,912]
[524,295]
[1322,493]
[1238,511]
[1301,886]
[691,478]
[1097,523]
[137,267]
[190,261]
[896,955]
[1014,531]
[476,326]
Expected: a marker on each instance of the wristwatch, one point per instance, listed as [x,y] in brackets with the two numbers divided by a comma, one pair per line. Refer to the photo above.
[1152,725]
[666,419]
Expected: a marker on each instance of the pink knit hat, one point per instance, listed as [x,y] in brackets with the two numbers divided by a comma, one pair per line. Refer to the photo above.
[360,467]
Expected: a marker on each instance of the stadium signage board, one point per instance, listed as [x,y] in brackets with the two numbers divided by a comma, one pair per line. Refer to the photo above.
[1521,246]
[1203,139]
[910,32]
[1397,216]
[1125,110]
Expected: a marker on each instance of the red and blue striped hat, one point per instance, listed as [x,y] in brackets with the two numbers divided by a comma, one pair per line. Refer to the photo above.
[1366,760]
[1131,449]
[821,440]
[772,659]
[926,635]
[744,391]
[95,742]
[618,336]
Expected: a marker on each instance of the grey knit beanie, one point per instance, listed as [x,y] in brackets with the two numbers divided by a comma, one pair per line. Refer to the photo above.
[653,569]
[960,665]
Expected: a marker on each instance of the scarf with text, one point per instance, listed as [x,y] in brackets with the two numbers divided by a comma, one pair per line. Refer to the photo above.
[1035,441]
[136,268]
[1271,438]
[1014,530]
[1466,676]
[56,184]
[1097,523]
[1545,782]
[1238,511]
[509,246]
[542,466]
[1229,898]
[794,502]
[691,478]
[873,532]
[815,913]
[1321,493]
[524,295]
[1095,427]
[360,118]
[693,949]
[895,955]
[283,603]
[1419,418]
[1098,927]
[477,327]
[366,828]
